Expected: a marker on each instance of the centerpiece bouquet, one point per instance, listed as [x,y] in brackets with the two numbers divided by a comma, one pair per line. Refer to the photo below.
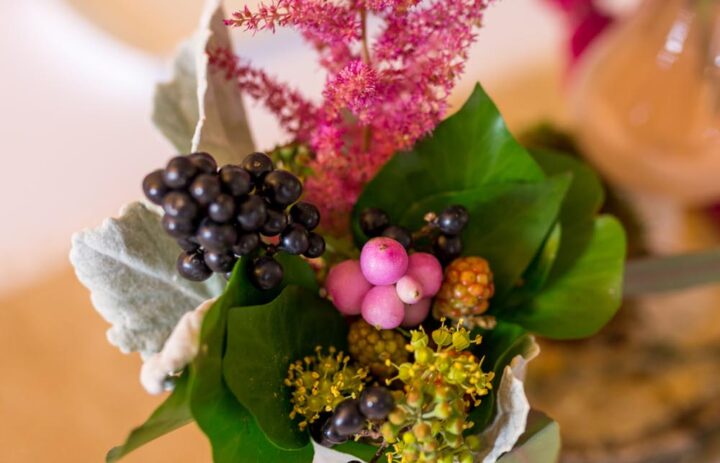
[369,290]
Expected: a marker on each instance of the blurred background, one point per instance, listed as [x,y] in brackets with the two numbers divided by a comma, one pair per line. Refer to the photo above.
[633,86]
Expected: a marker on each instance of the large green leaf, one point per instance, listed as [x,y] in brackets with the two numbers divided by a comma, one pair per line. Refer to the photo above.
[539,444]
[262,342]
[171,415]
[234,435]
[585,297]
[469,149]
[508,222]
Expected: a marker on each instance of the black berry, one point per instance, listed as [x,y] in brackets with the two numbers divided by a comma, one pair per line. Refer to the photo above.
[154,187]
[452,220]
[374,221]
[252,213]
[257,164]
[330,436]
[275,223]
[235,180]
[447,247]
[205,188]
[191,265]
[222,209]
[203,162]
[220,262]
[295,239]
[216,237]
[282,188]
[180,205]
[305,214]
[179,172]
[399,234]
[188,244]
[266,272]
[316,246]
[177,228]
[376,403]
[246,244]
[347,419]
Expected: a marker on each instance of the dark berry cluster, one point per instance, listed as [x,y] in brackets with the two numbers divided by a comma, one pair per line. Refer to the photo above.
[442,230]
[217,215]
[352,416]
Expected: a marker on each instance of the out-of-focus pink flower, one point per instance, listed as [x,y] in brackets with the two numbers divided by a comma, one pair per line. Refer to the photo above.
[379,97]
[586,22]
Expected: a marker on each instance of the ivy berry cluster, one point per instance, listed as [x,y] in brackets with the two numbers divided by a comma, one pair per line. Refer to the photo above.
[357,417]
[443,230]
[218,215]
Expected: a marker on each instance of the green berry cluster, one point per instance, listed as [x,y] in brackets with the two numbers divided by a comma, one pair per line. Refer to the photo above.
[320,382]
[440,385]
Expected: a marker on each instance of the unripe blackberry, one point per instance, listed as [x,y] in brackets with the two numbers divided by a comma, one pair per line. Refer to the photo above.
[466,289]
[371,348]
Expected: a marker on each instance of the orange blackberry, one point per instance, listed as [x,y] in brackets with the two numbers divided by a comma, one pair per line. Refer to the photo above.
[371,347]
[466,290]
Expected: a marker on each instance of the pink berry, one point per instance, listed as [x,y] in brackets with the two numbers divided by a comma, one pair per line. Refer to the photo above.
[409,290]
[416,313]
[426,269]
[383,261]
[382,308]
[347,287]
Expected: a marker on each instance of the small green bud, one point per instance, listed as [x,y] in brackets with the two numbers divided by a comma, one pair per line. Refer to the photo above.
[473,442]
[442,337]
[409,438]
[465,457]
[422,431]
[418,339]
[443,410]
[461,340]
[423,355]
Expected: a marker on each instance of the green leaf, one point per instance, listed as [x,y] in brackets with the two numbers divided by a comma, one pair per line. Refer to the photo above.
[672,273]
[470,149]
[519,216]
[357,449]
[585,297]
[171,415]
[263,341]
[539,444]
[234,435]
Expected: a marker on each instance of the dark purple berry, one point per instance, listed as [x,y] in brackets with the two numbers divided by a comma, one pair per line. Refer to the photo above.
[295,239]
[220,262]
[316,247]
[203,162]
[235,180]
[447,247]
[376,403]
[191,266]
[180,205]
[178,228]
[205,188]
[330,436]
[216,237]
[246,244]
[252,213]
[222,209]
[399,234]
[257,164]
[179,172]
[266,272]
[374,221]
[282,188]
[305,214]
[347,419]
[154,187]
[452,220]
[275,223]
[188,244]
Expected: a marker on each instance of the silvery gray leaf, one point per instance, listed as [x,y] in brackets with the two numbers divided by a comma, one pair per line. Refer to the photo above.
[512,409]
[200,110]
[128,264]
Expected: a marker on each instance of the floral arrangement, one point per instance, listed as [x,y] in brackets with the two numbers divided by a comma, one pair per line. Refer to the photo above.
[370,290]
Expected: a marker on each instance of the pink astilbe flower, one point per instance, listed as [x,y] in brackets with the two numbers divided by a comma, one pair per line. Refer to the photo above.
[379,97]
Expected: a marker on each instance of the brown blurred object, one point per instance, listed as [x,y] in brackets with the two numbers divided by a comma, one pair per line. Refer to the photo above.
[65,393]
[646,99]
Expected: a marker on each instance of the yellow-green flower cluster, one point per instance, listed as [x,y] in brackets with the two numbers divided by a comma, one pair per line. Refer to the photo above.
[440,386]
[321,382]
